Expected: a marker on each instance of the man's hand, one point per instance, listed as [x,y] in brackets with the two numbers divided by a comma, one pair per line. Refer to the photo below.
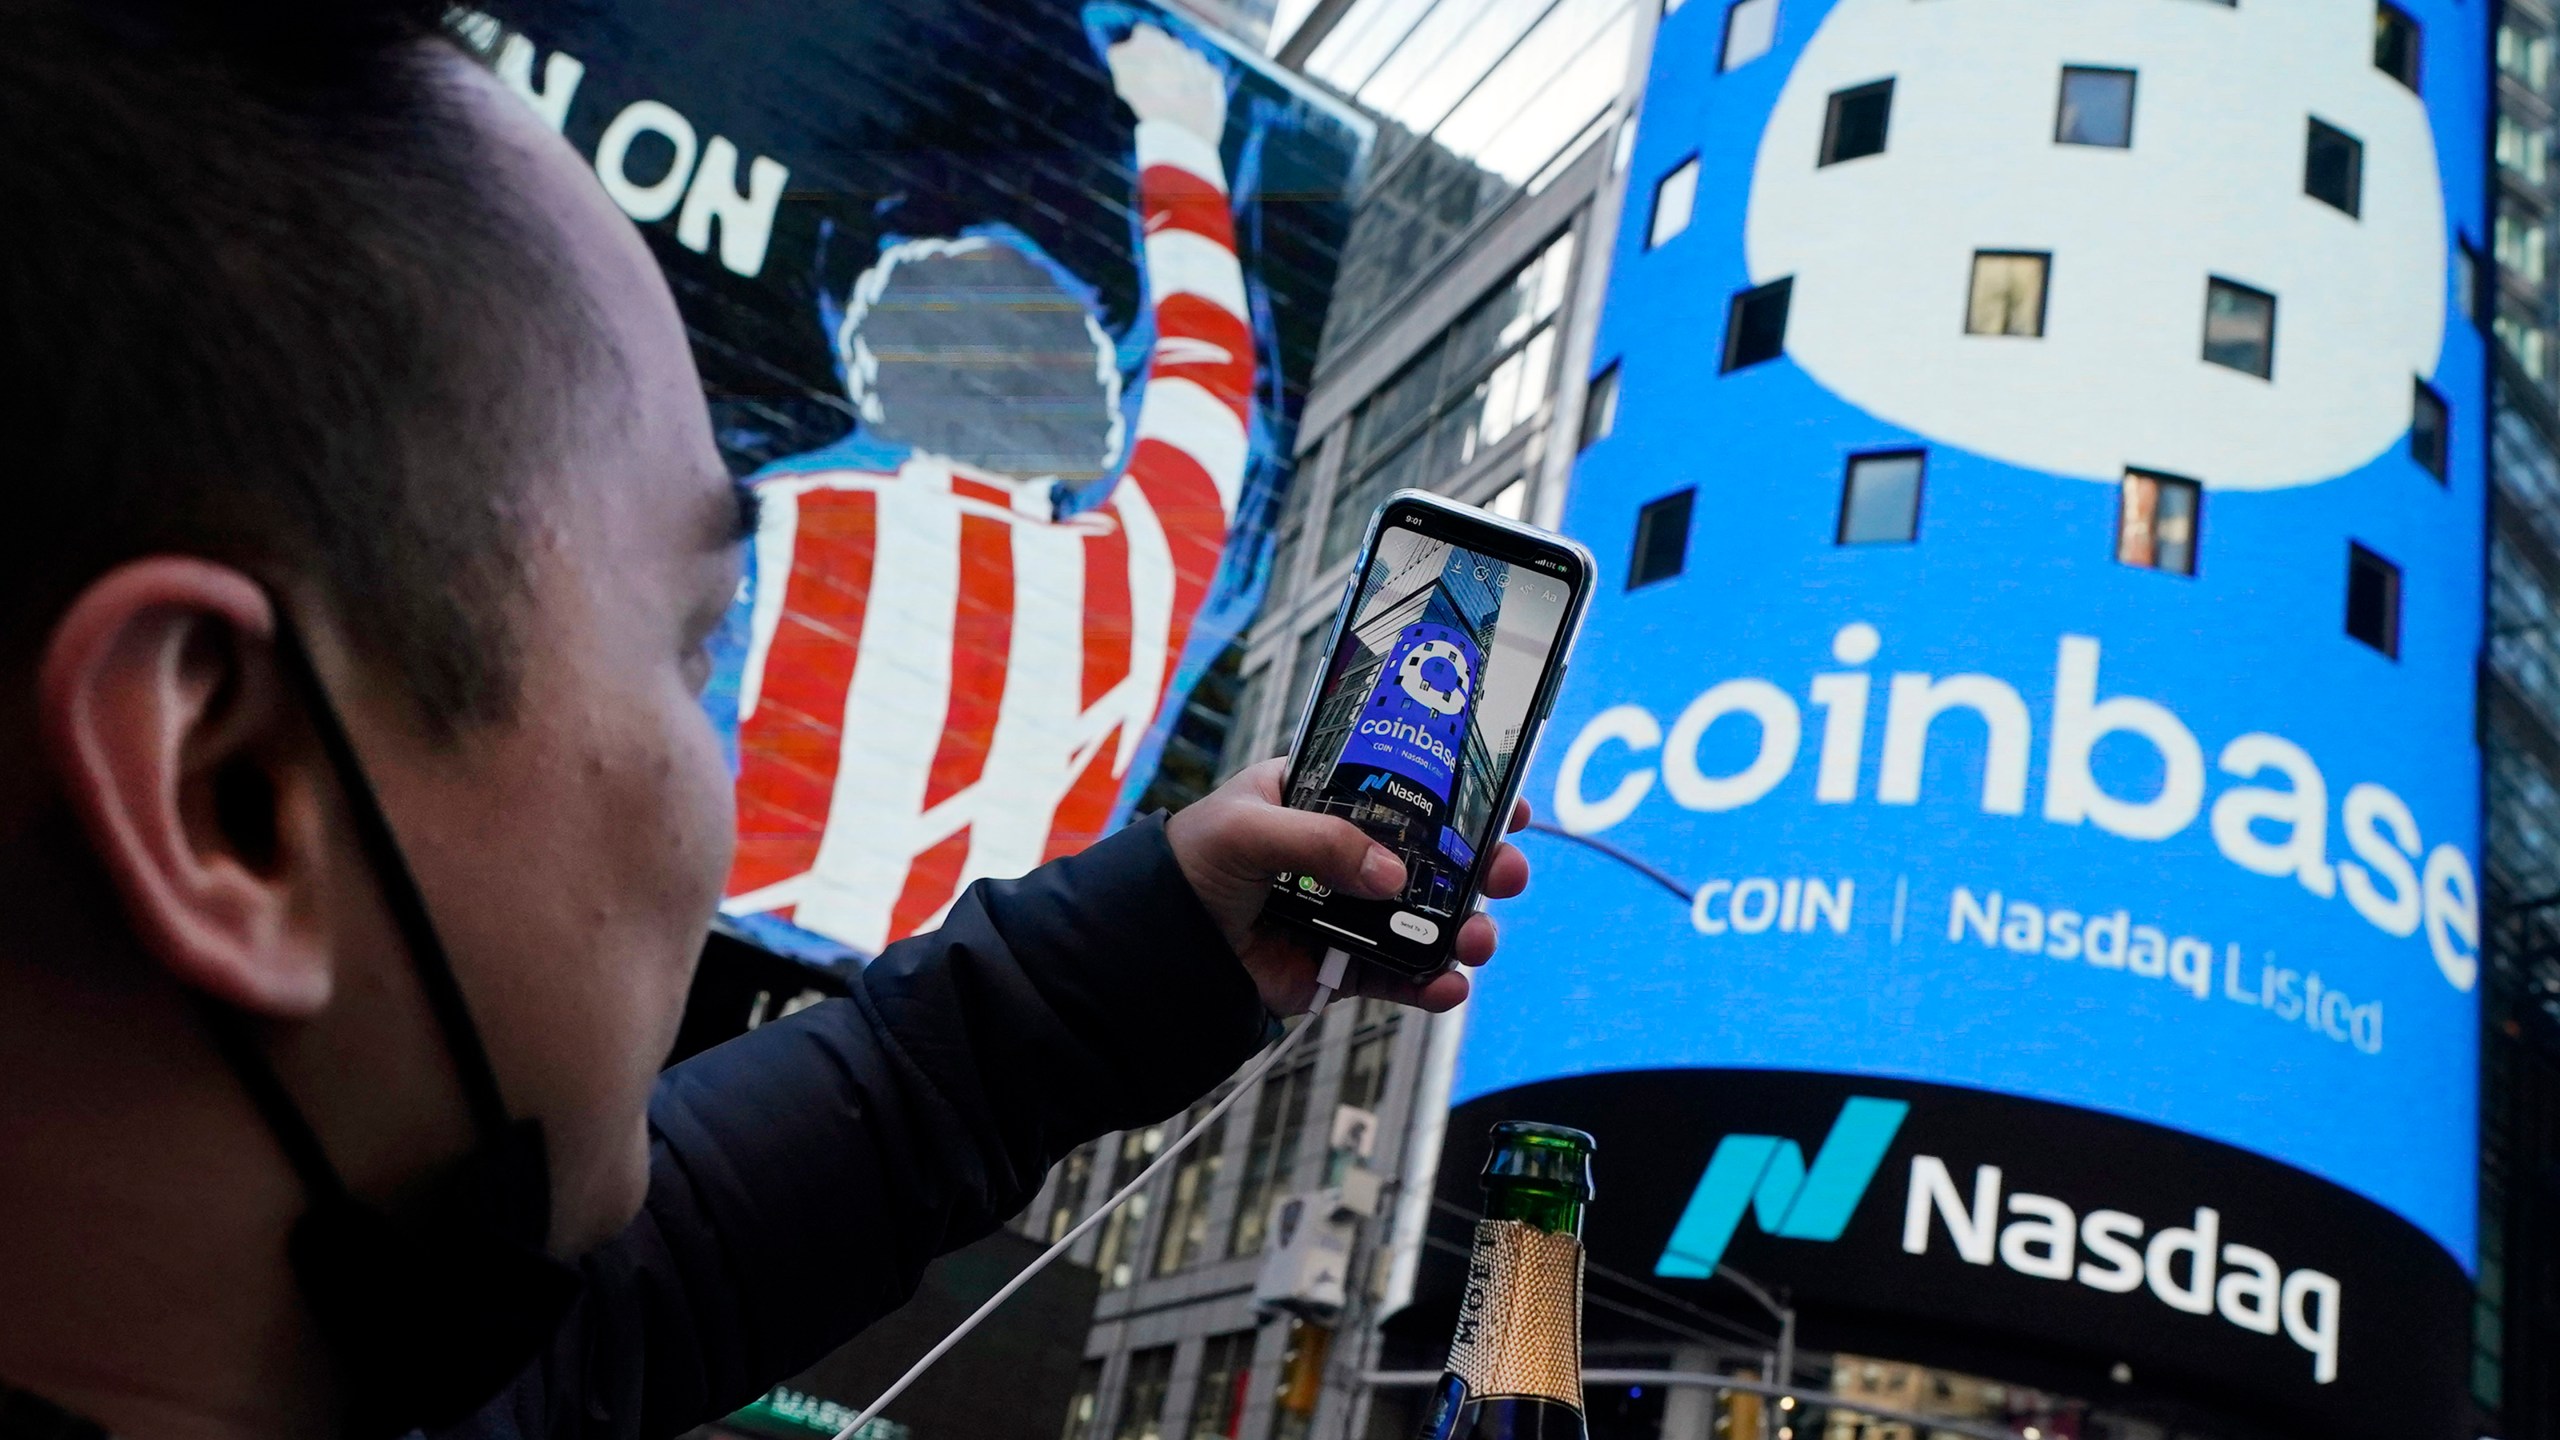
[1234,842]
[1163,79]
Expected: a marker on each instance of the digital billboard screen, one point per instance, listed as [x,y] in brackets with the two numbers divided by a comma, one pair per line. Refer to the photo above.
[1007,309]
[2047,455]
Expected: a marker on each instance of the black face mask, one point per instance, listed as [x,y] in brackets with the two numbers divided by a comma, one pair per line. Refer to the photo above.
[427,1313]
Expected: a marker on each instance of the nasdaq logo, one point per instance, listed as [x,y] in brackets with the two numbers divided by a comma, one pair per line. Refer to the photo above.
[1768,1177]
[1382,781]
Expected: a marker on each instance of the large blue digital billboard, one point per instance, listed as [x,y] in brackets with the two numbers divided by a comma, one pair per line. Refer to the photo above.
[2058,679]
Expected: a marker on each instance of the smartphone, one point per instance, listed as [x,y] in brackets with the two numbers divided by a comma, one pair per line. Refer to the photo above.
[1441,668]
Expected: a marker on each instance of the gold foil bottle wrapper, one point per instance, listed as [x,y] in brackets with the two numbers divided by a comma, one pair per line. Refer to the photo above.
[1520,1326]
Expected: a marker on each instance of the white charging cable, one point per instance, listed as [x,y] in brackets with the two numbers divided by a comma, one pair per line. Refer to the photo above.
[1329,978]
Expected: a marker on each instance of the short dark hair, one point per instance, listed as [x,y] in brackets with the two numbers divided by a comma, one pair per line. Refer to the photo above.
[264,299]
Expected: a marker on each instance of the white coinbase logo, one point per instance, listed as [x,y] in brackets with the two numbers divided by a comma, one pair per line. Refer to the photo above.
[1415,677]
[2209,185]
[2388,874]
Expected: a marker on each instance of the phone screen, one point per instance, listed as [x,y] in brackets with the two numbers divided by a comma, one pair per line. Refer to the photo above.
[1426,707]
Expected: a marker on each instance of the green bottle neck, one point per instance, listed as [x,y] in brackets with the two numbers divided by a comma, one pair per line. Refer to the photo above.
[1552,1208]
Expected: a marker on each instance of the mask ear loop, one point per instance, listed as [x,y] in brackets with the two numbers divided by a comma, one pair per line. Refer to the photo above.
[235,1039]
[399,886]
[429,1313]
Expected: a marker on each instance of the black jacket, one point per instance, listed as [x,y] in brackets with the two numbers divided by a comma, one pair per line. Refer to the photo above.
[801,1176]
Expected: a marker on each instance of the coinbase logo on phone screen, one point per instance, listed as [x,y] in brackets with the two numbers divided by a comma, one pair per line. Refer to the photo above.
[1420,722]
[1415,721]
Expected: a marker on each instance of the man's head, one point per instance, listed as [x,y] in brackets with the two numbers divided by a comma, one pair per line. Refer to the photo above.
[981,350]
[302,303]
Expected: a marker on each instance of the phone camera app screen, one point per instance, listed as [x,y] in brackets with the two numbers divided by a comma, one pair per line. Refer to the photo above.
[1423,707]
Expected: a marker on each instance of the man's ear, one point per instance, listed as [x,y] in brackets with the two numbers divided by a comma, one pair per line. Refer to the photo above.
[189,766]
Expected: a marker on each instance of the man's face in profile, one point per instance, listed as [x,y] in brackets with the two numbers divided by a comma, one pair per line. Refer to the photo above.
[573,853]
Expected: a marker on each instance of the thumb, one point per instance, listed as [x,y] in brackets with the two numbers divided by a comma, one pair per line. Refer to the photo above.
[1268,840]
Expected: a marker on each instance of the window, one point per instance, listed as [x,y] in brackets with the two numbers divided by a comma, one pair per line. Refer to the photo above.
[1116,1259]
[1511,502]
[1226,1367]
[1675,198]
[2373,600]
[1855,126]
[1756,328]
[1508,314]
[1508,398]
[1662,539]
[2430,429]
[1066,1202]
[1347,518]
[1292,528]
[1364,1071]
[2395,43]
[2524,55]
[2524,636]
[1279,1113]
[2156,523]
[1750,28]
[2521,244]
[1307,667]
[1880,499]
[2333,167]
[2240,327]
[1184,1240]
[1080,1405]
[2096,108]
[2525,150]
[1245,742]
[2008,293]
[1600,407]
[2527,341]
[2522,803]
[1142,1395]
[1391,409]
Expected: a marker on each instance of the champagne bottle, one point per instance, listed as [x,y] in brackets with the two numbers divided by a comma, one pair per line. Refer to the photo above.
[1515,1360]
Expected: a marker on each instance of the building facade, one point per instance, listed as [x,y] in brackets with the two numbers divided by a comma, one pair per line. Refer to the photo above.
[2516,1330]
[1460,357]
[2516,1320]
